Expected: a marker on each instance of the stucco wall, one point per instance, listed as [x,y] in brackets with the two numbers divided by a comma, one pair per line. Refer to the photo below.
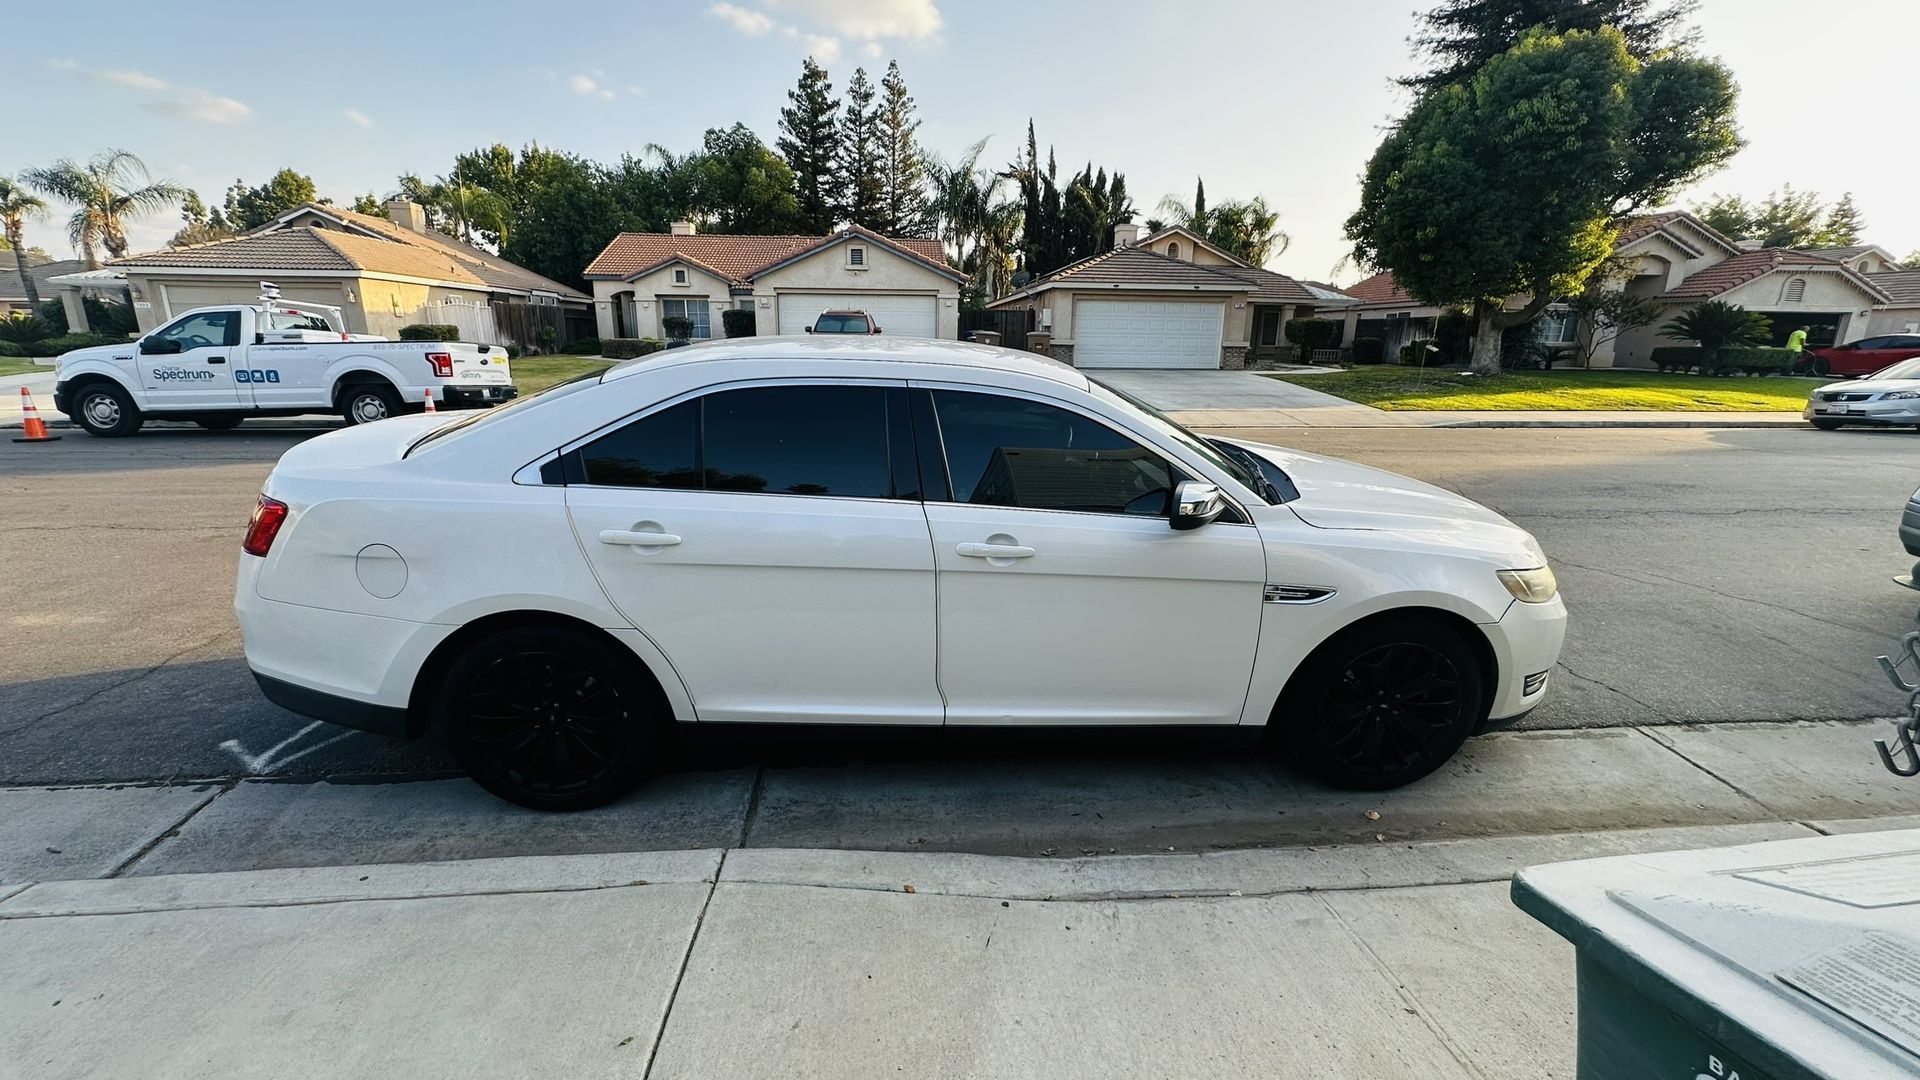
[158,297]
[1894,320]
[886,272]
[649,289]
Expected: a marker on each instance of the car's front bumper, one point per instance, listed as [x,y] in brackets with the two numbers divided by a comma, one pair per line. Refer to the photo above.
[1526,645]
[1902,412]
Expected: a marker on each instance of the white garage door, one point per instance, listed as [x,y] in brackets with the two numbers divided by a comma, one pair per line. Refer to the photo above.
[1147,333]
[898,316]
[185,297]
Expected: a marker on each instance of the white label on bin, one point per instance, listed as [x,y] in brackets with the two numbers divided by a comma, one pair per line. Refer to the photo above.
[1871,881]
[1873,980]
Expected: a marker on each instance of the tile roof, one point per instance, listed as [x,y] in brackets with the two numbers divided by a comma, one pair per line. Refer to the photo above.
[311,249]
[40,271]
[1273,288]
[733,256]
[1138,266]
[1742,268]
[1381,288]
[1901,286]
[1635,228]
[480,263]
[1844,253]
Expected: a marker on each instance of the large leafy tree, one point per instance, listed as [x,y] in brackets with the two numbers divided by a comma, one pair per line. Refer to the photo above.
[109,190]
[568,221]
[735,184]
[1513,182]
[810,141]
[861,163]
[1786,218]
[17,205]
[1844,223]
[1458,37]
[251,207]
[200,225]
[903,195]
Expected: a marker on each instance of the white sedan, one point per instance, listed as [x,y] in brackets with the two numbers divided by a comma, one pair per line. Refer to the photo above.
[873,531]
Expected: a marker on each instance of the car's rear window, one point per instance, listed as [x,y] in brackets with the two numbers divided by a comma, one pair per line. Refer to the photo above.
[842,324]
[480,417]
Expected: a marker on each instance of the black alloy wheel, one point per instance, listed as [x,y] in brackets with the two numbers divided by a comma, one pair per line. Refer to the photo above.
[550,718]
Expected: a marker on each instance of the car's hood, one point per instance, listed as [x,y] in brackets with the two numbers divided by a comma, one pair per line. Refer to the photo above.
[1336,494]
[1869,386]
[95,352]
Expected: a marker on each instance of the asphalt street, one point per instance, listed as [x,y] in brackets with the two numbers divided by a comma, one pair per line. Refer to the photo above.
[1712,575]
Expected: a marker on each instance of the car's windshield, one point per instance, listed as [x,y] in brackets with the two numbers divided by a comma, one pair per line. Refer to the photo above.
[487,416]
[1905,369]
[841,324]
[1223,456]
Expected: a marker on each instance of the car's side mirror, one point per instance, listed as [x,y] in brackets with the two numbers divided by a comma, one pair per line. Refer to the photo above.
[154,346]
[1196,503]
[876,329]
[809,329]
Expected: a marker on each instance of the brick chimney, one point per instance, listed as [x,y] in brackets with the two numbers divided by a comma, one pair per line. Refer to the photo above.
[1127,234]
[407,214]
[681,228]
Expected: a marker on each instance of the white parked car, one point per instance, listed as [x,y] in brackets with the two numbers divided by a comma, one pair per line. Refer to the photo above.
[840,530]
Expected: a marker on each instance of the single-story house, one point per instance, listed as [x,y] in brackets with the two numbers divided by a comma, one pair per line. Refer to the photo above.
[13,292]
[383,273]
[1901,313]
[1678,261]
[1170,300]
[641,279]
[1863,258]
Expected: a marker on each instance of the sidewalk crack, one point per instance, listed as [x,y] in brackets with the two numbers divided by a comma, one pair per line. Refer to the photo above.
[686,958]
[171,831]
[1662,741]
[1406,994]
[753,806]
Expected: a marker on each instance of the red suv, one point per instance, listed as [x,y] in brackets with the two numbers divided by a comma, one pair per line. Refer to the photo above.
[1866,356]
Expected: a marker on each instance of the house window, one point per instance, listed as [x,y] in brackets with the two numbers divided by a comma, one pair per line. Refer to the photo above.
[1173,250]
[679,275]
[857,257]
[691,308]
[1795,292]
[1554,327]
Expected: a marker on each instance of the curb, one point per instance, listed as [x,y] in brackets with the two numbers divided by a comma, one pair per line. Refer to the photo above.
[1796,422]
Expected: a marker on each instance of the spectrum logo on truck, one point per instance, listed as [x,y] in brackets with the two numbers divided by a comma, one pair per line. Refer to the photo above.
[176,374]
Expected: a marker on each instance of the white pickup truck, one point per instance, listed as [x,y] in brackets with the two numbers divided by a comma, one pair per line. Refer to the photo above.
[219,365]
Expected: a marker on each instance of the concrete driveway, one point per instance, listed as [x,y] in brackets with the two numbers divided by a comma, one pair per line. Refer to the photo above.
[1245,399]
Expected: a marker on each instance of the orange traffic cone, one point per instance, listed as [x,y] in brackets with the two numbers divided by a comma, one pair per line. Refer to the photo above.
[430,407]
[36,428]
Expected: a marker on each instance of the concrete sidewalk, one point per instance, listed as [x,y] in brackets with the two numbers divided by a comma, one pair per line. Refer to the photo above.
[1369,962]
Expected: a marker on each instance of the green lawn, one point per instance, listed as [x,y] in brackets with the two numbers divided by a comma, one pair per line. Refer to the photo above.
[531,373]
[19,365]
[1398,388]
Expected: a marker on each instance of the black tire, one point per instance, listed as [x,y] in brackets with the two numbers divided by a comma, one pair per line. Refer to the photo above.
[552,718]
[1383,704]
[1826,425]
[365,403]
[104,409]
[219,423]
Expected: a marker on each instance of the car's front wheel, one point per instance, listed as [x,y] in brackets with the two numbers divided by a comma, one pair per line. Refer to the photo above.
[1383,704]
[551,718]
[103,409]
[1827,425]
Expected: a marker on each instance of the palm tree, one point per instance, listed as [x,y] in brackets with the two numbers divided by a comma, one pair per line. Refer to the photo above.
[963,194]
[1249,228]
[17,204]
[1716,324]
[109,190]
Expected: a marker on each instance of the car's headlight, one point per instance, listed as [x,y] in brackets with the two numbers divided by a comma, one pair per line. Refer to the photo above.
[1535,586]
[1900,395]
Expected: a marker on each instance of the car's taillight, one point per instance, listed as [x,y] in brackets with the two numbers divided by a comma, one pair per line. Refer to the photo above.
[442,364]
[264,525]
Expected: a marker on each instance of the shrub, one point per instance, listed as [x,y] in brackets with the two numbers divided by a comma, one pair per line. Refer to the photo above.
[1680,358]
[1312,333]
[103,316]
[586,346]
[1716,324]
[424,331]
[738,322]
[1757,359]
[1414,353]
[514,352]
[54,346]
[626,348]
[678,327]
[8,348]
[1369,350]
[23,327]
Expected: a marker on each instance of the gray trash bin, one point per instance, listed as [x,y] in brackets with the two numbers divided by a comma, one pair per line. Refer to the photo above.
[1776,961]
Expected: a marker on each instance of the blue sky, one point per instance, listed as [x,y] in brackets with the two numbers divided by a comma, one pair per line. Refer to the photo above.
[1281,98]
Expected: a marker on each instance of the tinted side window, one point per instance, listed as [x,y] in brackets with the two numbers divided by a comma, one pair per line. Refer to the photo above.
[656,451]
[798,440]
[1004,451]
[208,328]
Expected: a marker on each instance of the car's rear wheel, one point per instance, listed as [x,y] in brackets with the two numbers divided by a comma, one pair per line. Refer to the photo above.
[1827,425]
[551,718]
[364,403]
[1383,704]
[103,409]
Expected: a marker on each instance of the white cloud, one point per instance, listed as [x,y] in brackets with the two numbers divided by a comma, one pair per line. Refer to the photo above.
[874,49]
[138,80]
[867,19]
[751,23]
[358,118]
[588,86]
[823,49]
[202,106]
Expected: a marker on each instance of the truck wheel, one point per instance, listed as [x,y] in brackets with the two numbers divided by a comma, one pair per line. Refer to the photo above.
[363,403]
[103,409]
[1383,704]
[219,423]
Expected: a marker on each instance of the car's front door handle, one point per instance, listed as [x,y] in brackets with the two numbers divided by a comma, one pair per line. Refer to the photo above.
[631,538]
[216,359]
[994,551]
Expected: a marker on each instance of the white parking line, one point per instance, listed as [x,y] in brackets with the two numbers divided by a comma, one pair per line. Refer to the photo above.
[263,763]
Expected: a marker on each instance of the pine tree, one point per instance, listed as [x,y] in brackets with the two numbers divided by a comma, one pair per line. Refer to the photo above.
[1844,223]
[1199,222]
[904,205]
[1459,36]
[861,166]
[810,141]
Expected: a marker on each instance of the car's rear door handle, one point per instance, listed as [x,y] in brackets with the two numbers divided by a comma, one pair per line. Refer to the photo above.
[631,538]
[994,551]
